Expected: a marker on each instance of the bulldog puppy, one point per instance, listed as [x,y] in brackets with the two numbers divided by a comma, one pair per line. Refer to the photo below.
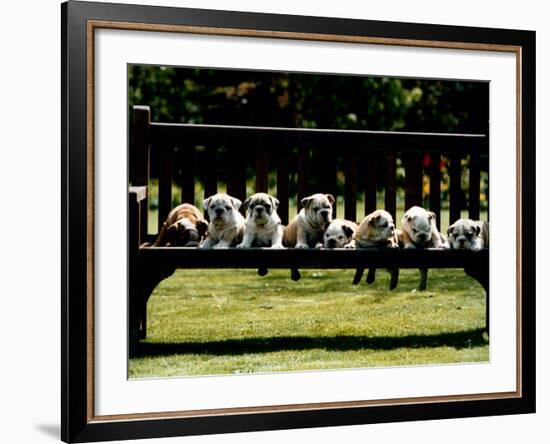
[307,228]
[263,225]
[467,234]
[377,230]
[339,234]
[184,227]
[420,231]
[226,223]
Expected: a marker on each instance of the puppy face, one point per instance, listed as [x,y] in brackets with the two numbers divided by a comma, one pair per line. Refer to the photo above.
[338,234]
[221,208]
[378,226]
[184,233]
[463,233]
[419,224]
[318,208]
[260,208]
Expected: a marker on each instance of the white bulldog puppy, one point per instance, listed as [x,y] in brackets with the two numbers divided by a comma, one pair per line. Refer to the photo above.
[468,234]
[306,229]
[339,234]
[226,225]
[420,230]
[263,225]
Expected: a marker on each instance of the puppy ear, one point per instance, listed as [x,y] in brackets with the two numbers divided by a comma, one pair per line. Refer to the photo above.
[347,230]
[374,219]
[246,203]
[206,202]
[202,226]
[478,229]
[431,215]
[330,198]
[236,203]
[275,202]
[306,202]
[172,232]
[450,229]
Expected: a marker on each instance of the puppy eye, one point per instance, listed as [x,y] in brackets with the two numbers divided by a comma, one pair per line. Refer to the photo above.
[227,207]
[340,237]
[384,225]
[415,230]
[315,208]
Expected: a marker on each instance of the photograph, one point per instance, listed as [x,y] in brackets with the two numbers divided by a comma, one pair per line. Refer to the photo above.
[285,221]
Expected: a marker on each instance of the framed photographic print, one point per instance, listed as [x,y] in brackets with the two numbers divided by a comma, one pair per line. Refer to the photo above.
[276,221]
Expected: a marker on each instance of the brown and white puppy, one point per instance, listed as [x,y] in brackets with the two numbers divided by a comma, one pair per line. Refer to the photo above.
[262,225]
[184,227]
[339,234]
[468,234]
[419,230]
[306,229]
[377,230]
[226,223]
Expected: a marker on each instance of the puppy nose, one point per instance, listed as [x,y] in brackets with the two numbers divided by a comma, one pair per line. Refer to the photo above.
[461,241]
[422,236]
[392,227]
[219,211]
[331,243]
[259,209]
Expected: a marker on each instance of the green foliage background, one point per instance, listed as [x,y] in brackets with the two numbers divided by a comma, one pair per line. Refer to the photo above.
[189,95]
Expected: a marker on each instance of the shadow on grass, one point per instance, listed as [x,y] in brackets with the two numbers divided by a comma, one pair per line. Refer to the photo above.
[458,340]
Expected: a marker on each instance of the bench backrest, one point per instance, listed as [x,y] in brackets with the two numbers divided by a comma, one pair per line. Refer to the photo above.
[304,161]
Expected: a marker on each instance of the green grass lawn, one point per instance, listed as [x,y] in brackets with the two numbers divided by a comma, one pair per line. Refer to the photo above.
[203,322]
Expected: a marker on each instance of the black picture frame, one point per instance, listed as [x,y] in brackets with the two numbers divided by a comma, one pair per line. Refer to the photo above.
[77,422]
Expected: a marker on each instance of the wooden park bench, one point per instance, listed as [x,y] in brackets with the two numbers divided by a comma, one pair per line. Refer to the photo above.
[302,161]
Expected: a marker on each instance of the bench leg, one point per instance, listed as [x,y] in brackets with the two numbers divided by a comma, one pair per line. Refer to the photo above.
[423,279]
[143,283]
[481,274]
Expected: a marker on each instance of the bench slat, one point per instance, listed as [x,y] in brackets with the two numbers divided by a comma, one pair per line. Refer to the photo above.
[283,185]
[187,162]
[413,180]
[370,167]
[350,185]
[210,171]
[328,169]
[236,170]
[262,170]
[303,175]
[391,186]
[313,258]
[474,187]
[435,187]
[455,170]
[165,183]
[304,137]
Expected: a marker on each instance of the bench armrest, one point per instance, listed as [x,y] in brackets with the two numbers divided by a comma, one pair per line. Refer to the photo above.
[139,192]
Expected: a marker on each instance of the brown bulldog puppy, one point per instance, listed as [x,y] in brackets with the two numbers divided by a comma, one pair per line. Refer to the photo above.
[184,227]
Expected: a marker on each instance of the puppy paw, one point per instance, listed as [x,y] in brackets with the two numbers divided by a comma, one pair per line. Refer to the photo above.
[319,246]
[220,247]
[409,246]
[277,247]
[241,245]
[349,246]
[301,245]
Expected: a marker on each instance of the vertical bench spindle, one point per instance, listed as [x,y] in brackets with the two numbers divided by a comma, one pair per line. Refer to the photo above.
[413,180]
[454,192]
[435,187]
[187,180]
[262,170]
[390,191]
[474,188]
[303,175]
[350,187]
[210,171]
[165,182]
[282,185]
[370,165]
